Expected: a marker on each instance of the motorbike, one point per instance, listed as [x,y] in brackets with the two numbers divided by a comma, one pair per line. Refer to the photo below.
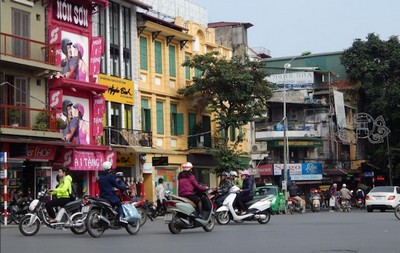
[360,203]
[344,205]
[101,215]
[293,206]
[69,216]
[181,214]
[9,216]
[258,210]
[19,208]
[316,203]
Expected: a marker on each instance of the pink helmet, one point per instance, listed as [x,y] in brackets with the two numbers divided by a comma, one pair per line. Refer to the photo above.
[79,47]
[187,166]
[246,172]
[80,109]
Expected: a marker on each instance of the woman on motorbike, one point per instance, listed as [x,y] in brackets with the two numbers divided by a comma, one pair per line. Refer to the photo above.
[246,193]
[188,186]
[61,192]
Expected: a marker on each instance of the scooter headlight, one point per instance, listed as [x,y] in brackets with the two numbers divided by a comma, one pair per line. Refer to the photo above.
[33,205]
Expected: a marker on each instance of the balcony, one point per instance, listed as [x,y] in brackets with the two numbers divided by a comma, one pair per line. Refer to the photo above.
[127,137]
[205,141]
[16,120]
[18,51]
[295,130]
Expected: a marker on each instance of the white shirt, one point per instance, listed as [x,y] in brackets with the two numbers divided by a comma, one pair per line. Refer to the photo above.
[160,192]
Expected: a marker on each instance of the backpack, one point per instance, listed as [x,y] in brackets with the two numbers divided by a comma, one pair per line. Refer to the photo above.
[73,195]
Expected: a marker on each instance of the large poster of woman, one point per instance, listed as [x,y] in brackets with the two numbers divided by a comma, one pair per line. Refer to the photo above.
[75,113]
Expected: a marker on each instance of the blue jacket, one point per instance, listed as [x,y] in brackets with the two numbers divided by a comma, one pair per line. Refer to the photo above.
[248,187]
[106,183]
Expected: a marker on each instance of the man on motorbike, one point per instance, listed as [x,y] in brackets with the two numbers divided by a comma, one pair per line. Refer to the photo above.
[224,185]
[345,193]
[188,185]
[61,192]
[106,183]
[246,193]
[295,193]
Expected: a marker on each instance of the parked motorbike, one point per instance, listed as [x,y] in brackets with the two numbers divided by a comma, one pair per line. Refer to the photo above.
[181,214]
[316,202]
[19,208]
[69,216]
[293,206]
[101,215]
[258,210]
[9,216]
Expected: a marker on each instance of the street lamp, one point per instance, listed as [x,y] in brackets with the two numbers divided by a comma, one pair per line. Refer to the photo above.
[285,125]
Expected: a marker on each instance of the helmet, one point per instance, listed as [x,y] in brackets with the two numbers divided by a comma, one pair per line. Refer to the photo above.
[245,172]
[106,165]
[79,47]
[80,109]
[119,174]
[64,43]
[187,166]
[344,185]
[66,103]
[233,173]
[224,173]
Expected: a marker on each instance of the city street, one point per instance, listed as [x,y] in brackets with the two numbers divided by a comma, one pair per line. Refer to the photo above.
[357,231]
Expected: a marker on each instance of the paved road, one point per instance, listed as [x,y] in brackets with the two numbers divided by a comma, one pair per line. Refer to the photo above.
[310,232]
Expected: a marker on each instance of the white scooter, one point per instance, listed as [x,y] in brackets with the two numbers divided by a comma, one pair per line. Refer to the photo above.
[316,202]
[259,210]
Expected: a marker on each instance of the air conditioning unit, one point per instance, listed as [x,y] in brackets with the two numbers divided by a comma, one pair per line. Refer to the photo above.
[259,147]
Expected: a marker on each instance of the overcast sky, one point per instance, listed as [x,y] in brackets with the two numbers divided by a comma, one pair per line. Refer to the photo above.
[290,27]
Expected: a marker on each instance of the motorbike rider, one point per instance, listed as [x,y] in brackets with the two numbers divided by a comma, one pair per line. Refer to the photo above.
[295,193]
[345,193]
[360,194]
[224,185]
[188,185]
[62,193]
[246,193]
[107,182]
[233,177]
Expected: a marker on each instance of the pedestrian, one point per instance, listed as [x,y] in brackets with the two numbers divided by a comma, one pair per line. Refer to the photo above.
[160,194]
[333,197]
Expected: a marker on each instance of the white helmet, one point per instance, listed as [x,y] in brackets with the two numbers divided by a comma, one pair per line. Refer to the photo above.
[344,185]
[233,173]
[106,165]
[187,166]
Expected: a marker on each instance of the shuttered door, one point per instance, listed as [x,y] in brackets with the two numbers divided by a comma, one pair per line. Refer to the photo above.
[21,27]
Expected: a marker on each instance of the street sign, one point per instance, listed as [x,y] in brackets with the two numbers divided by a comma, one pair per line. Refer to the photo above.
[369,174]
[3,157]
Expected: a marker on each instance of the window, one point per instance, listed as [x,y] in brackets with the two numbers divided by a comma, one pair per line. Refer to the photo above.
[128,117]
[176,121]
[160,117]
[143,53]
[192,130]
[172,61]
[146,116]
[158,57]
[126,42]
[21,27]
[232,133]
[114,40]
[197,73]
[187,68]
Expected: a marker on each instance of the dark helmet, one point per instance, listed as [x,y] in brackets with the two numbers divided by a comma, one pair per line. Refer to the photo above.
[64,43]
[65,105]
[224,173]
[119,174]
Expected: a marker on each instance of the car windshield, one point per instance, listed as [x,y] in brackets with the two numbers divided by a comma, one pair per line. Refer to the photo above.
[266,191]
[383,189]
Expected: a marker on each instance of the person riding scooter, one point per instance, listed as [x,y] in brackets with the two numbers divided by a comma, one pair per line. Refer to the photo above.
[188,186]
[295,193]
[246,193]
[223,189]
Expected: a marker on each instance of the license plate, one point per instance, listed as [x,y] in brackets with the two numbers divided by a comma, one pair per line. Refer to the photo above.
[167,217]
[85,209]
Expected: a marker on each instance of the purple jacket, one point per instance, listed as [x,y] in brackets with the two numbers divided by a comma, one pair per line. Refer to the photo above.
[189,185]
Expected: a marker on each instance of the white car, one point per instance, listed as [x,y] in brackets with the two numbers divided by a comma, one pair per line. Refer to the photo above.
[382,198]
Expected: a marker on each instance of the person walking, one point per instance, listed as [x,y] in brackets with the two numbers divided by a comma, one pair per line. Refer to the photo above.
[333,198]
[160,194]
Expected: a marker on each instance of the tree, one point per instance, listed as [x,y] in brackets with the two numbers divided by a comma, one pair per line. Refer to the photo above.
[236,90]
[375,64]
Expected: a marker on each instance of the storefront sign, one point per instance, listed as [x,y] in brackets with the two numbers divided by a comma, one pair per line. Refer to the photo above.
[40,152]
[98,113]
[125,160]
[56,99]
[95,55]
[265,169]
[301,171]
[83,160]
[72,13]
[305,143]
[119,90]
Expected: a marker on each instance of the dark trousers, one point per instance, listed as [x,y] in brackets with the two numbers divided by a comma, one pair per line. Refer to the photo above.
[160,205]
[241,199]
[54,203]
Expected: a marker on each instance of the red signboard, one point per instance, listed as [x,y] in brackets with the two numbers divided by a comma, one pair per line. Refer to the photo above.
[83,160]
[265,169]
[39,152]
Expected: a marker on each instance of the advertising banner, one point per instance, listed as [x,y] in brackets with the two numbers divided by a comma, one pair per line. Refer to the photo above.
[98,113]
[119,90]
[97,49]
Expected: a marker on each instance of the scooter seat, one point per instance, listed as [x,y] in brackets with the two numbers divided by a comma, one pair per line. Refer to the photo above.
[183,199]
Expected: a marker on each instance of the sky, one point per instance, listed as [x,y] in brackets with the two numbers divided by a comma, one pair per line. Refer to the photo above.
[290,27]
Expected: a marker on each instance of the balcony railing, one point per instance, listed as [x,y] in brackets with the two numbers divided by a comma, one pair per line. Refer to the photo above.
[28,118]
[127,137]
[27,49]
[205,141]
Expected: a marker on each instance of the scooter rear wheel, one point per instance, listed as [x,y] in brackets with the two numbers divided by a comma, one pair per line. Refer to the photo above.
[223,217]
[173,226]
[81,229]
[133,227]
[267,218]
[143,215]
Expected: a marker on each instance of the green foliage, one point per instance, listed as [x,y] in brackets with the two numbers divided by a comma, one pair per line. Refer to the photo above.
[228,158]
[236,89]
[42,122]
[13,115]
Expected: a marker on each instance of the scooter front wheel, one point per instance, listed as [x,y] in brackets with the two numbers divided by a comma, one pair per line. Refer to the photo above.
[210,225]
[93,225]
[26,229]
[223,217]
